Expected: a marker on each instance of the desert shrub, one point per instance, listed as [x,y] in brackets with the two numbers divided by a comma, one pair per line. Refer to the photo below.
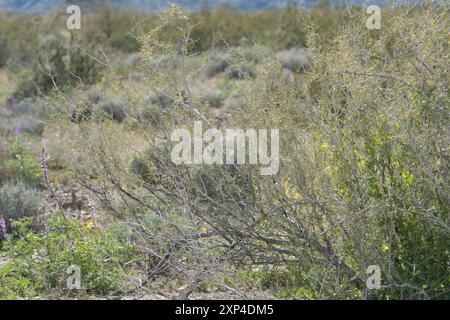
[57,65]
[237,97]
[94,96]
[7,125]
[22,165]
[217,63]
[82,112]
[26,106]
[149,163]
[114,110]
[18,39]
[18,200]
[214,97]
[161,62]
[234,102]
[295,59]
[82,69]
[135,60]
[94,105]
[5,152]
[25,88]
[49,68]
[85,107]
[40,260]
[23,116]
[239,72]
[115,28]
[161,99]
[147,114]
[255,54]
[363,176]
[29,124]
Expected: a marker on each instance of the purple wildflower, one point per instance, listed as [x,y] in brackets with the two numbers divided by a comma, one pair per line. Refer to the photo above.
[91,206]
[18,128]
[3,227]
[44,167]
[70,245]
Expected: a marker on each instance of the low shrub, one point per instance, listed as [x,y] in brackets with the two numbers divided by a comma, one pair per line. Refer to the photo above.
[239,72]
[39,261]
[217,63]
[295,59]
[29,124]
[18,200]
[25,106]
[22,165]
[115,110]
[58,65]
[161,99]
[214,97]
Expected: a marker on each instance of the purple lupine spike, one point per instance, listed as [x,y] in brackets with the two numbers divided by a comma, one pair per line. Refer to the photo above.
[91,206]
[3,227]
[44,167]
[18,128]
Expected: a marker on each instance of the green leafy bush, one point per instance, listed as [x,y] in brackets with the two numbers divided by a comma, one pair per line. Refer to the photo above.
[23,165]
[57,65]
[39,261]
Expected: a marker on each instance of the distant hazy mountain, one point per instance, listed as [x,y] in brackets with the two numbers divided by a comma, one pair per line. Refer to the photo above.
[38,6]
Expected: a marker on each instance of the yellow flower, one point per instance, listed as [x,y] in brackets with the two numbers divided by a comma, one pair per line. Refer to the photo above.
[203,229]
[90,223]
